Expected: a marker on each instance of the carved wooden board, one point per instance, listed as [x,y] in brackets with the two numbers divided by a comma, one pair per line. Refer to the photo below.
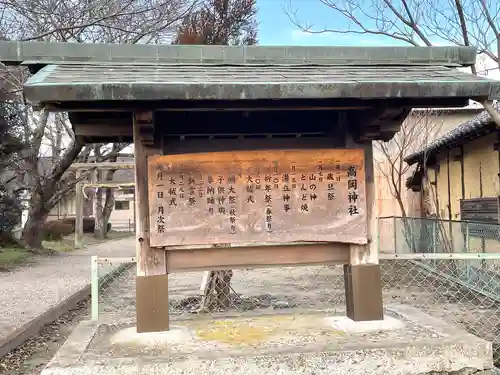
[257,196]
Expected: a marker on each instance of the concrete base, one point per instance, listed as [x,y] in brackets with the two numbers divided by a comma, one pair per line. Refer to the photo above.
[406,342]
[344,324]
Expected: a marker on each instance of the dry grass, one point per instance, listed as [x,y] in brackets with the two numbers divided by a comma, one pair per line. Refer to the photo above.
[68,242]
[11,257]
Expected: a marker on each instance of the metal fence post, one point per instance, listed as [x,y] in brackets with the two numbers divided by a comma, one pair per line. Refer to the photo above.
[94,288]
[468,270]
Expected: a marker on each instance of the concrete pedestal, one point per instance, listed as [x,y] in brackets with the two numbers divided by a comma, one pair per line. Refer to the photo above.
[407,341]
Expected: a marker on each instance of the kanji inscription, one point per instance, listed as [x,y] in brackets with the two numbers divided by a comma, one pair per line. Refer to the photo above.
[257,196]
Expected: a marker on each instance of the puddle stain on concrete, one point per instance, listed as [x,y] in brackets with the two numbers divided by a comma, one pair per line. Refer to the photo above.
[255,331]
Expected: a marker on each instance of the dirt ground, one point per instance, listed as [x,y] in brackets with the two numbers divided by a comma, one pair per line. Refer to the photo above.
[320,288]
[263,290]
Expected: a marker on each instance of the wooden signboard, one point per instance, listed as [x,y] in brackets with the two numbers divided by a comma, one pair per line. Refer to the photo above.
[257,197]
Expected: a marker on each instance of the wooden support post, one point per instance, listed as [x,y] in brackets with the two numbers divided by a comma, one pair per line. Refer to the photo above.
[362,276]
[79,213]
[152,279]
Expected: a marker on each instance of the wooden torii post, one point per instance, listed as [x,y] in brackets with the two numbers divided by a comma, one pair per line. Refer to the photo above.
[81,168]
[221,133]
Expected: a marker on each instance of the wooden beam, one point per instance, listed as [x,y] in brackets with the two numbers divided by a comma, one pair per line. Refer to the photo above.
[152,279]
[255,257]
[237,108]
[254,105]
[102,129]
[110,184]
[102,165]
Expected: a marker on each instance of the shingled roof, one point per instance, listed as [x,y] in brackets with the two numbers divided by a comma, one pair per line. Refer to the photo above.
[373,88]
[476,127]
[116,73]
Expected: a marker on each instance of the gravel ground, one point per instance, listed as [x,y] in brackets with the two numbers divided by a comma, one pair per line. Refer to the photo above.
[319,288]
[32,290]
[303,288]
[34,354]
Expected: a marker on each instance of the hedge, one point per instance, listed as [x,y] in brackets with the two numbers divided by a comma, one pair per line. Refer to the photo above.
[55,230]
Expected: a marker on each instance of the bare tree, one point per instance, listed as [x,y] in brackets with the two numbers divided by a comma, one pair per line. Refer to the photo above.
[51,149]
[419,22]
[219,22]
[97,21]
[417,131]
[10,146]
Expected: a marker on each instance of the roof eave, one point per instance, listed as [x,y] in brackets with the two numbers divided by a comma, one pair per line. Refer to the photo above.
[487,128]
[410,160]
[53,93]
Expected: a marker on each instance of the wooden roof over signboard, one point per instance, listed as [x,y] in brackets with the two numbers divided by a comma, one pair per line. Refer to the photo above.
[112,82]
[108,81]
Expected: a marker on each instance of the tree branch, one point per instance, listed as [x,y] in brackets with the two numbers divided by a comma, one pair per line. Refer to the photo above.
[495,116]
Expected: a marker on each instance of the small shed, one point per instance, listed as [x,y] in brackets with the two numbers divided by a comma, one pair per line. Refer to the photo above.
[248,156]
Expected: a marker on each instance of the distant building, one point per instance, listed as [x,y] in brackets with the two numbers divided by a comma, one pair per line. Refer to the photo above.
[458,177]
[443,120]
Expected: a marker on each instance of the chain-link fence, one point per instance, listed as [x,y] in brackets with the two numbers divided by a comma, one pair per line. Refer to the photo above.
[431,235]
[463,289]
[449,269]
[307,287]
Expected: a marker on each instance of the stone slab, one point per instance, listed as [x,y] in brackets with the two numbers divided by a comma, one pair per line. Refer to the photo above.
[407,342]
[344,324]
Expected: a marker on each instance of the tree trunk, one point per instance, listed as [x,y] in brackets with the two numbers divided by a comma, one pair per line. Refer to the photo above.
[32,236]
[109,203]
[99,226]
[103,212]
[218,293]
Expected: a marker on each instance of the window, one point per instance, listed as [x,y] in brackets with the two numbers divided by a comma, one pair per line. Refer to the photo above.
[122,205]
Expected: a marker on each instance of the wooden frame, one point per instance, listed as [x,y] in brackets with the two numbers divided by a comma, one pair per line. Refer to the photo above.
[155,263]
[244,197]
[255,257]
